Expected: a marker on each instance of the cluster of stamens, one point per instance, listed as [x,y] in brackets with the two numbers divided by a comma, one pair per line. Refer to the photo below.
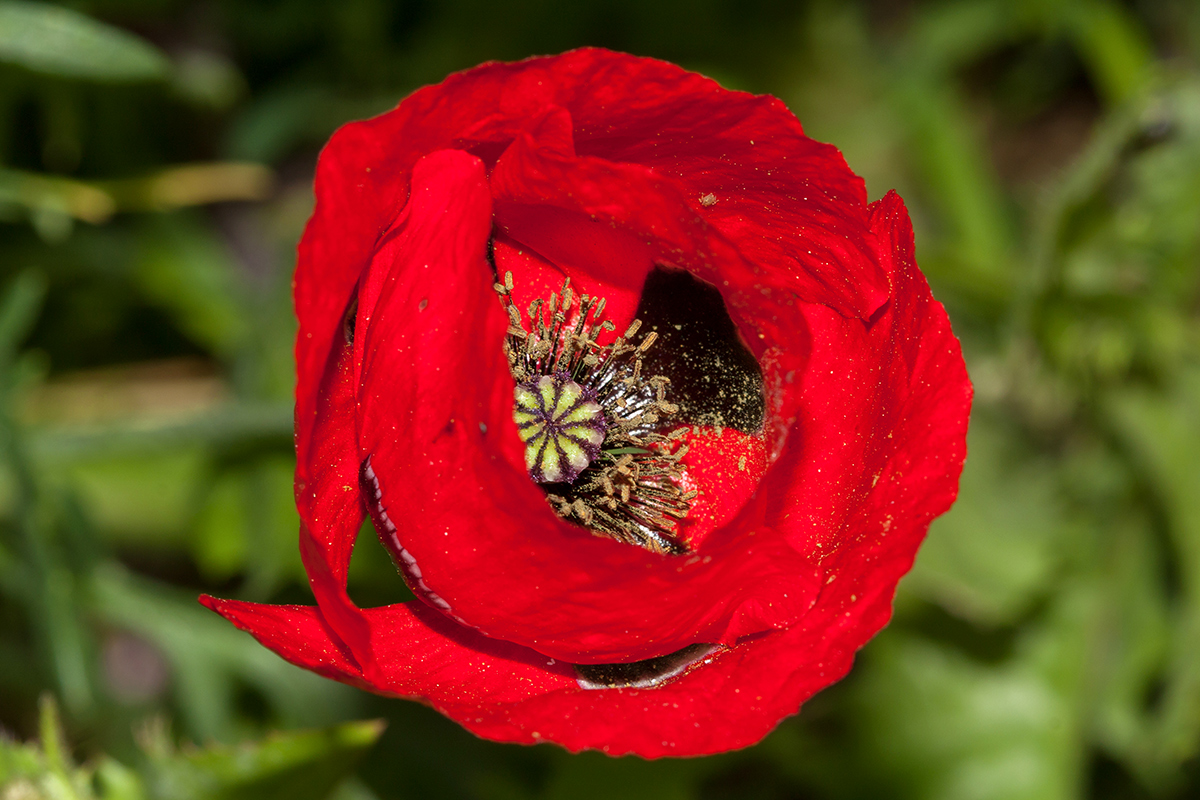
[571,391]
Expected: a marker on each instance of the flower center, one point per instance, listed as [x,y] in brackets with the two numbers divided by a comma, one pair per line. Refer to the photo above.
[562,427]
[598,432]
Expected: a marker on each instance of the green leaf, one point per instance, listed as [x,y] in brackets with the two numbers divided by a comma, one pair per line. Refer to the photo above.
[50,730]
[952,729]
[58,41]
[1117,243]
[248,525]
[18,761]
[118,782]
[1163,431]
[210,659]
[947,36]
[995,551]
[946,142]
[186,271]
[52,202]
[19,309]
[938,725]
[1133,643]
[1117,51]
[593,776]
[139,498]
[299,765]
[234,425]
[44,770]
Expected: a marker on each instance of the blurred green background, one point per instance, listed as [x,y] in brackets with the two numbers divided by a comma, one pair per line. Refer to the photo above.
[155,167]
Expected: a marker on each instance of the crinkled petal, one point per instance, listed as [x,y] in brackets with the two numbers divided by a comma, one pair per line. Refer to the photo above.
[724,468]
[601,166]
[859,406]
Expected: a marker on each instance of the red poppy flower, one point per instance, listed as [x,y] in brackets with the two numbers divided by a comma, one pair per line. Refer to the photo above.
[655,537]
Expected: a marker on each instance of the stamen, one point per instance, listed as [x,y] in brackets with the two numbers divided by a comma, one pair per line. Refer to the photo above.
[593,425]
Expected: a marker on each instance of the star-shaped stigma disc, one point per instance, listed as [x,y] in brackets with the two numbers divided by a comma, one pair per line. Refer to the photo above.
[562,426]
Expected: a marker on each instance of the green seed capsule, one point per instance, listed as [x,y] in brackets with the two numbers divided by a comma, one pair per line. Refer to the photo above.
[562,427]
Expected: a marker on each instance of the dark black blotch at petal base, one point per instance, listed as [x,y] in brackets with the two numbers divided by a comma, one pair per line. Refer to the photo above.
[715,379]
[642,674]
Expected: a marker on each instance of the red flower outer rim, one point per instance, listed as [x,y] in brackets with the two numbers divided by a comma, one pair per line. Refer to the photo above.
[728,704]
[904,354]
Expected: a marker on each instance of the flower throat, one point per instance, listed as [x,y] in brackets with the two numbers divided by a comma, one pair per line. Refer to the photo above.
[592,422]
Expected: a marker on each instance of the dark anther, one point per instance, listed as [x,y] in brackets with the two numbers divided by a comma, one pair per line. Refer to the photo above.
[715,379]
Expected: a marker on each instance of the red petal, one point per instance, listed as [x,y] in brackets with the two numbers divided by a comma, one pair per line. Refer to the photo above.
[602,261]
[790,204]
[859,405]
[471,528]
[298,633]
[512,694]
[509,693]
[724,468]
[423,656]
[632,200]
